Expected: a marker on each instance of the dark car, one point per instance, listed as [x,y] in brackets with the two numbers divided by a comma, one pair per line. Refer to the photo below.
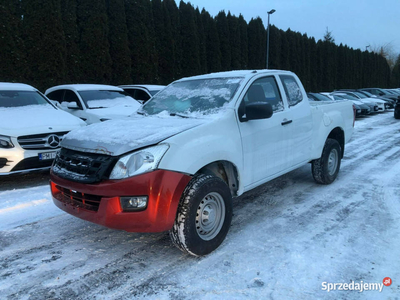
[382,93]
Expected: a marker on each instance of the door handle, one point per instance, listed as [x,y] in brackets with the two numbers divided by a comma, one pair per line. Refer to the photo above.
[285,122]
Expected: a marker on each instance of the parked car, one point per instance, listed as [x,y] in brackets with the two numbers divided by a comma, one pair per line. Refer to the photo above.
[389,102]
[142,93]
[361,108]
[93,102]
[31,129]
[372,104]
[381,104]
[318,97]
[381,92]
[194,146]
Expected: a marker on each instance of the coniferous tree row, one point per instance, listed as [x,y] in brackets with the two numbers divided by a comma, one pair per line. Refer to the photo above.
[45,43]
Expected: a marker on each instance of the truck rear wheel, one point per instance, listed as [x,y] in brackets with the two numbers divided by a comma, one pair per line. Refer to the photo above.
[326,168]
[204,215]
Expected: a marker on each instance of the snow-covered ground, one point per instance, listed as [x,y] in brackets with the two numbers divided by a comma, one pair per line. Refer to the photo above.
[287,238]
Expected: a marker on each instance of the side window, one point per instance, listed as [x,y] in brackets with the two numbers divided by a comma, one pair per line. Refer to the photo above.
[141,95]
[69,97]
[265,90]
[130,92]
[292,90]
[56,95]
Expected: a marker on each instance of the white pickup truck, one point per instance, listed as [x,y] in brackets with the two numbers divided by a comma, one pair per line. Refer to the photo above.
[196,144]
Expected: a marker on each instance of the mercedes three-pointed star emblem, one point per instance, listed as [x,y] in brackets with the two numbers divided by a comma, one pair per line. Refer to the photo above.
[53,141]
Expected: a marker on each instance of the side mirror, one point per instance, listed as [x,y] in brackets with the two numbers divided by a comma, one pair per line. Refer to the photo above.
[258,110]
[73,105]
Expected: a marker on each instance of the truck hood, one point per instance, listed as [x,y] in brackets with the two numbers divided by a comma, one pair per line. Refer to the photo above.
[35,119]
[116,137]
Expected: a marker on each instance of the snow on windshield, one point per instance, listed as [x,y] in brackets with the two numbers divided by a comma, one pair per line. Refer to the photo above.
[21,98]
[120,101]
[203,96]
[104,98]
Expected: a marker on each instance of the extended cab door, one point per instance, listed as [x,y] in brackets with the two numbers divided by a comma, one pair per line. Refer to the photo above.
[265,141]
[300,118]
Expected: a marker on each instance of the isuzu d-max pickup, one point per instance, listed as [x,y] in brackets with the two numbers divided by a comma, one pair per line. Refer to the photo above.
[177,163]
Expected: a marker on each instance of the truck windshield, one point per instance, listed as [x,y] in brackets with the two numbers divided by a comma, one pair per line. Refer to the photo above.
[204,96]
[21,98]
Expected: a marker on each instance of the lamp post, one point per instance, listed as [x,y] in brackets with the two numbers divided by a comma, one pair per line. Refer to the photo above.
[269,13]
[366,47]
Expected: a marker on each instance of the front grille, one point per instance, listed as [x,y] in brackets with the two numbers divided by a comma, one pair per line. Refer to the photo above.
[77,199]
[32,163]
[41,141]
[83,167]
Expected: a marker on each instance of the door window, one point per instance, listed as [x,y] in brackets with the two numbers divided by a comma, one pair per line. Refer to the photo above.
[71,97]
[292,90]
[141,95]
[56,96]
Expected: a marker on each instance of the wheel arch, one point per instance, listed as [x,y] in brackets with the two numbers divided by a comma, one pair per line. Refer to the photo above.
[225,170]
[338,135]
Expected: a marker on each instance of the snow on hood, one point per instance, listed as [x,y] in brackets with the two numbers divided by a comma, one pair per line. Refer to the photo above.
[33,119]
[116,137]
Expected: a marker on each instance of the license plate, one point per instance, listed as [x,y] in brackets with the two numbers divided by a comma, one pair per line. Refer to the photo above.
[47,155]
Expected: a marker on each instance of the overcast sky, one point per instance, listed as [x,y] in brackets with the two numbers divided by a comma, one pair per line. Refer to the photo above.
[357,23]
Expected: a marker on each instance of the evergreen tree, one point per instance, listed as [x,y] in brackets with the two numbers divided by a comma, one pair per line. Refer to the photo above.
[274,48]
[257,44]
[93,41]
[12,59]
[119,43]
[201,33]
[174,41]
[70,28]
[284,51]
[44,43]
[212,43]
[190,44]
[234,35]
[244,43]
[395,77]
[328,36]
[224,40]
[139,18]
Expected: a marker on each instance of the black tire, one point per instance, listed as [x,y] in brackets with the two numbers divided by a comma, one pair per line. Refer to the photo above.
[188,232]
[396,114]
[326,168]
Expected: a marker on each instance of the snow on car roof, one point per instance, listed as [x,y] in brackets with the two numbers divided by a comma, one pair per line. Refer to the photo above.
[9,86]
[85,87]
[150,87]
[238,73]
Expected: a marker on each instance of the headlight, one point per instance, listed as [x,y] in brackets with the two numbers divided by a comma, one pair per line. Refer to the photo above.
[5,142]
[139,162]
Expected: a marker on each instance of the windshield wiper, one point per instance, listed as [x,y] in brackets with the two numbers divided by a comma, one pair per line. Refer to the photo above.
[140,113]
[178,115]
[97,107]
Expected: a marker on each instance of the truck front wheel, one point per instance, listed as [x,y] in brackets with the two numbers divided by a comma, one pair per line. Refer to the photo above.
[204,215]
[326,168]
